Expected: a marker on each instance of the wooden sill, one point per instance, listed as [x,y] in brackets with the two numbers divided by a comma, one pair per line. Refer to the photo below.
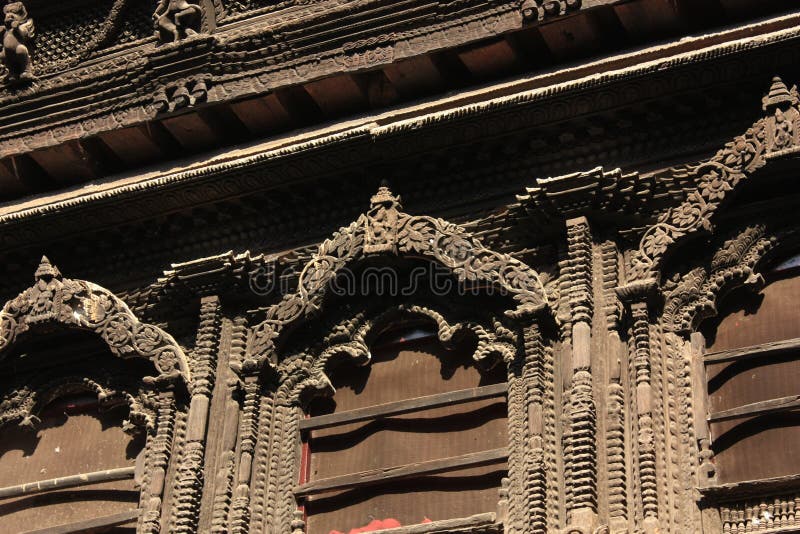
[467,524]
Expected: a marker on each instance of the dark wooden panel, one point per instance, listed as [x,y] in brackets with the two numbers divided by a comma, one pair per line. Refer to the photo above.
[760,408]
[383,475]
[403,407]
[770,316]
[63,445]
[414,369]
[98,524]
[417,437]
[761,447]
[748,381]
[457,494]
[400,372]
[417,368]
[763,350]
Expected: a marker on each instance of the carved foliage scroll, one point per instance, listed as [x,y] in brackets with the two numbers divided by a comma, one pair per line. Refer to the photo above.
[694,296]
[385,229]
[54,300]
[778,131]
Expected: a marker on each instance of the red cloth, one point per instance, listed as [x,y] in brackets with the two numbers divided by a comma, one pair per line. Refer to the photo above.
[375,524]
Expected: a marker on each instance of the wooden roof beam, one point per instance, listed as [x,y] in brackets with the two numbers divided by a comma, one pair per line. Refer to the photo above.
[192,131]
[497,58]
[262,115]
[135,146]
[69,162]
[415,76]
[338,95]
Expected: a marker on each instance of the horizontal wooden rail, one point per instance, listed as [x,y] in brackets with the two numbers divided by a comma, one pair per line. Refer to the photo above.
[757,408]
[754,351]
[387,474]
[89,524]
[71,481]
[751,488]
[461,524]
[404,406]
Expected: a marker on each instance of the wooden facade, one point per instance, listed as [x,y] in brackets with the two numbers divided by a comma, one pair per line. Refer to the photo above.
[341,266]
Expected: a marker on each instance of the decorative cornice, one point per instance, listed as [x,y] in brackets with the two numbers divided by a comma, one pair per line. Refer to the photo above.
[213,179]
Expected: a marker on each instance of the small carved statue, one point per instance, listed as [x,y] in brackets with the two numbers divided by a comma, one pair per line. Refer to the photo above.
[178,19]
[18,31]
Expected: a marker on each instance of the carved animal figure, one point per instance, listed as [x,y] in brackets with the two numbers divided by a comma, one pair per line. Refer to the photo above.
[18,31]
[177,18]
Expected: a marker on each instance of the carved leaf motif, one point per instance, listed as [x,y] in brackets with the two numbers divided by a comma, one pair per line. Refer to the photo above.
[81,304]
[118,331]
[417,236]
[440,240]
[147,339]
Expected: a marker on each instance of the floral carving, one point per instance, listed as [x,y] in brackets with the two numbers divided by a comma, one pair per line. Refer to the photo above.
[693,296]
[22,403]
[718,176]
[86,306]
[386,229]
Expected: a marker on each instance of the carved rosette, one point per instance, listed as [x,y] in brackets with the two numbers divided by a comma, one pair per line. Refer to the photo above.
[54,300]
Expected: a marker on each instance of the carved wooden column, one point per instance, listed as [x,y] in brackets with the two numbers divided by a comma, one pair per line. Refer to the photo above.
[227,462]
[706,473]
[155,467]
[527,492]
[637,296]
[615,406]
[579,439]
[189,487]
[239,518]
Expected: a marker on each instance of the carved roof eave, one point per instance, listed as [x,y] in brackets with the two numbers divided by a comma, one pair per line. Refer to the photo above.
[207,174]
[130,109]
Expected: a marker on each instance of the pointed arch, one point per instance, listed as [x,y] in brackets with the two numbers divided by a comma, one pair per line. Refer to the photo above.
[54,300]
[385,229]
[774,134]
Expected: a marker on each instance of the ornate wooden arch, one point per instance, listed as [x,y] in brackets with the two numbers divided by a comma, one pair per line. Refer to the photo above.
[384,229]
[303,375]
[732,265]
[24,403]
[735,263]
[54,300]
[776,133]
[306,376]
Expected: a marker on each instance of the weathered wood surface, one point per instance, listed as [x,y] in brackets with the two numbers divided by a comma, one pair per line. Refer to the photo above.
[85,526]
[82,479]
[763,350]
[446,525]
[757,408]
[386,474]
[405,406]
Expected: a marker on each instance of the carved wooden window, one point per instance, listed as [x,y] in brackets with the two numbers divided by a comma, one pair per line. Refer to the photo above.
[418,435]
[76,451]
[752,367]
